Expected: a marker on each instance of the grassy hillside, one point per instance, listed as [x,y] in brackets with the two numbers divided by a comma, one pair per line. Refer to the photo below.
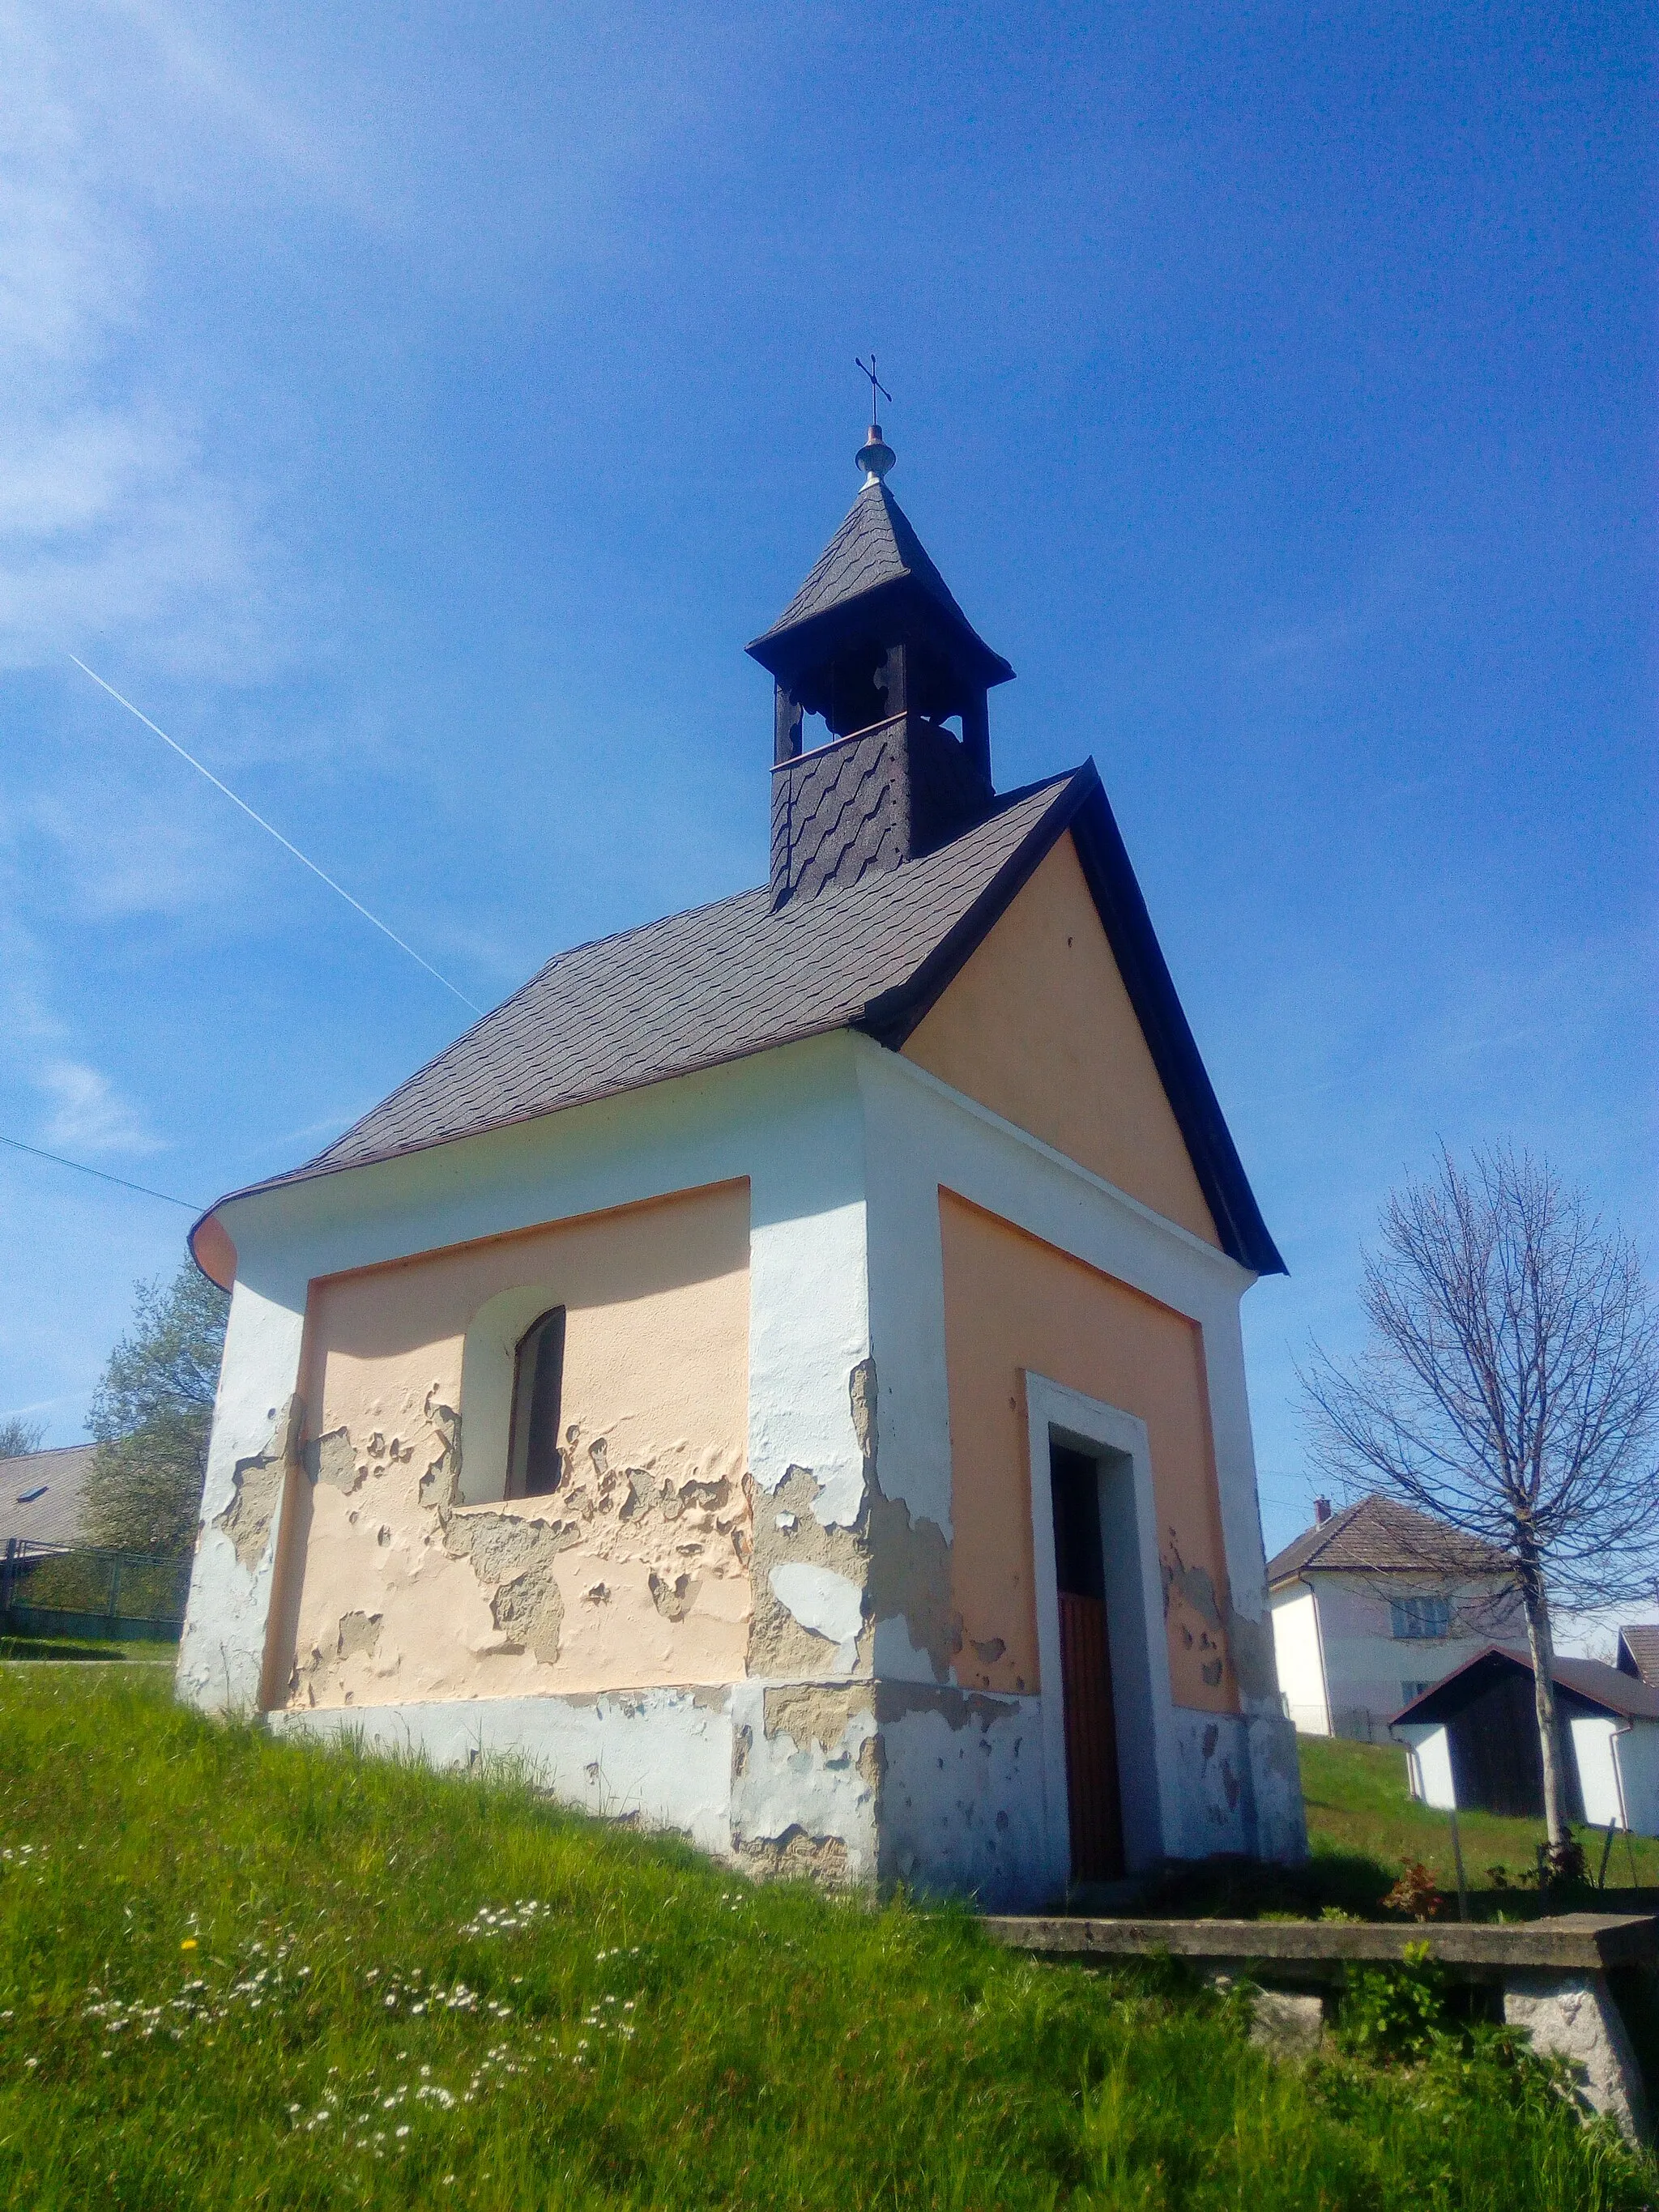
[238,1973]
[1359,1806]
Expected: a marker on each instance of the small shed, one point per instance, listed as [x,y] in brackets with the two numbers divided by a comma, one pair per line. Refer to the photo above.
[1472,1740]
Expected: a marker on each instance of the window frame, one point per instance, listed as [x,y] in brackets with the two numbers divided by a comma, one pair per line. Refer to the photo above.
[1423,1617]
[533,1424]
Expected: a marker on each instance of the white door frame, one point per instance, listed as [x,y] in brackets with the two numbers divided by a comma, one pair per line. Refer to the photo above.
[1143,1703]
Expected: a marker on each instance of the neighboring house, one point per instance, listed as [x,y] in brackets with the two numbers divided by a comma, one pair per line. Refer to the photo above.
[1472,1741]
[780,1375]
[1638,1653]
[1373,1605]
[43,1496]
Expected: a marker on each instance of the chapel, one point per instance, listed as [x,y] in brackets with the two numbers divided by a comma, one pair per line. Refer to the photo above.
[778,1376]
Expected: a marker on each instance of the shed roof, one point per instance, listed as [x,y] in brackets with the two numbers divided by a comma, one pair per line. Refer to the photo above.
[1379,1536]
[43,1495]
[723,982]
[1586,1679]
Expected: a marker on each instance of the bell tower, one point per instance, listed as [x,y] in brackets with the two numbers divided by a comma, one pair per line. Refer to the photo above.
[874,644]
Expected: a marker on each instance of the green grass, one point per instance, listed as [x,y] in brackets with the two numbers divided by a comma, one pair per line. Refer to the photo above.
[80,1647]
[1360,1809]
[234,1972]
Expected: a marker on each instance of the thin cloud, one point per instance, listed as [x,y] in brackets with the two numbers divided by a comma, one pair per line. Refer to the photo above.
[111,520]
[89,1116]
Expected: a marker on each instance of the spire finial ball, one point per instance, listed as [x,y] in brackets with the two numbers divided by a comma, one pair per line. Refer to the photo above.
[875,456]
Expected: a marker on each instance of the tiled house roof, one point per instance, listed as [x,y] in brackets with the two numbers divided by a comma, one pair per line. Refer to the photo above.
[43,1495]
[1379,1536]
[1639,1652]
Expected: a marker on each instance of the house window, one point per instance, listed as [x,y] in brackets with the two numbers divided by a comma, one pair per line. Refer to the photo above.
[1410,1690]
[1420,1617]
[532,1452]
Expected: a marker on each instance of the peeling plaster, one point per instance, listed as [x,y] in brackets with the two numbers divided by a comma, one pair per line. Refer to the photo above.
[330,1459]
[1223,1634]
[909,1560]
[806,1771]
[257,1488]
[788,1536]
[1191,1590]
[825,1603]
[670,1538]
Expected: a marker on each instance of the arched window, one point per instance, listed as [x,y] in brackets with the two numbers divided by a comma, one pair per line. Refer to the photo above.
[533,1451]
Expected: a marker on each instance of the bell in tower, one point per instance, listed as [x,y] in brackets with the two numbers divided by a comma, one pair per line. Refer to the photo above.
[875,644]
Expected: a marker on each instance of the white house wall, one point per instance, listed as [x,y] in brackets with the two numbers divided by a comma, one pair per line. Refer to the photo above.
[1367,1667]
[1300,1662]
[1636,1747]
[1593,1750]
[1428,1763]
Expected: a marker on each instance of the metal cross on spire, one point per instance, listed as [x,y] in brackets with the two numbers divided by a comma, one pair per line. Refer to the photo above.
[875,456]
[876,384]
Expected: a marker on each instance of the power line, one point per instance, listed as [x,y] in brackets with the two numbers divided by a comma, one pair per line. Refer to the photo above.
[80,1167]
[275,833]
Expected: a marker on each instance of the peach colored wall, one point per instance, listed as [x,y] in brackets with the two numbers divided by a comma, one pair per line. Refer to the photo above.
[1014,1304]
[1039,1028]
[390,1595]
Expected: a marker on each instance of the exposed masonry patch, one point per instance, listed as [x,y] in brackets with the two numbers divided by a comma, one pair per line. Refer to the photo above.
[825,1603]
[440,1482]
[902,1566]
[516,1553]
[790,1534]
[813,1712]
[256,1485]
[795,1855]
[358,1633]
[673,1600]
[1223,1632]
[330,1459]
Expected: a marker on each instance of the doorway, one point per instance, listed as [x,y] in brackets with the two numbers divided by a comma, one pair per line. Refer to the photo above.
[1093,1790]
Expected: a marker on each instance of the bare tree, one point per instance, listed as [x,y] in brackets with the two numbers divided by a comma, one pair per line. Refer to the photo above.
[1510,1389]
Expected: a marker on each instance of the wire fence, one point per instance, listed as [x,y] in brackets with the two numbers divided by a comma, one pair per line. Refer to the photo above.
[56,1589]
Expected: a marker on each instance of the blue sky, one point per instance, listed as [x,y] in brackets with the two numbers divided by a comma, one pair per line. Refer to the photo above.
[415,410]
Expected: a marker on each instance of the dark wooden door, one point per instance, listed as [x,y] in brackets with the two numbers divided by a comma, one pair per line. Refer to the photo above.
[1092,1788]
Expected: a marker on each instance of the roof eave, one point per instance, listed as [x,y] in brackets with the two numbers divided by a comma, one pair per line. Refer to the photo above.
[789,646]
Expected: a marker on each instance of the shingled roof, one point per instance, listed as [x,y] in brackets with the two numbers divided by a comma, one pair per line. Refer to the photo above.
[722,981]
[876,548]
[1586,1679]
[43,1495]
[1379,1536]
[1639,1652]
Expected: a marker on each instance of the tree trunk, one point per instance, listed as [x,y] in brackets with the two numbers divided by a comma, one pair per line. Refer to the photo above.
[1541,1645]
